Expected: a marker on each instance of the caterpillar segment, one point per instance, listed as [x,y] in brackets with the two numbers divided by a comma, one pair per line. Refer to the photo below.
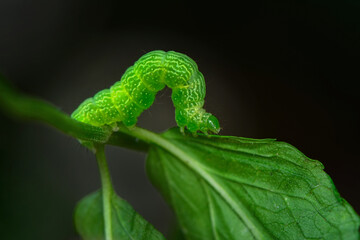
[136,91]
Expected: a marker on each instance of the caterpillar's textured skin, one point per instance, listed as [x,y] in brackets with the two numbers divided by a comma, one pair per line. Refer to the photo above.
[136,91]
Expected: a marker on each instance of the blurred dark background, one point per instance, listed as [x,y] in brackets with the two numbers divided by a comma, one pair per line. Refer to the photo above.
[273,70]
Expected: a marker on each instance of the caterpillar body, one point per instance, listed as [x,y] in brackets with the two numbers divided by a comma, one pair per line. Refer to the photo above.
[136,91]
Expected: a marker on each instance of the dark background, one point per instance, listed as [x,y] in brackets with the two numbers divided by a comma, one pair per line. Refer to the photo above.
[273,70]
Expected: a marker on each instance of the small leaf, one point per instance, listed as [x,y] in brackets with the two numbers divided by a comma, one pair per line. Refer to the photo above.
[127,224]
[239,188]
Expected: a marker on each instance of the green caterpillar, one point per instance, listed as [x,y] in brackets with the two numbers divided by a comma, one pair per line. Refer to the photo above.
[136,91]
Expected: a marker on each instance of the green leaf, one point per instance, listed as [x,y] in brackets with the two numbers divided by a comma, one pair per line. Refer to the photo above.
[127,224]
[239,188]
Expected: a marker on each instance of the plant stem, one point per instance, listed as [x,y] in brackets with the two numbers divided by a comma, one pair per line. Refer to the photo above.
[20,106]
[146,136]
[107,189]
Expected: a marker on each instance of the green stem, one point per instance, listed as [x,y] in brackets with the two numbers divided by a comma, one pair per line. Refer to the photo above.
[146,136]
[107,189]
[18,105]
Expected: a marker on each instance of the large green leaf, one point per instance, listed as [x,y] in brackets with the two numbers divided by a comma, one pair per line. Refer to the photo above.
[238,188]
[126,223]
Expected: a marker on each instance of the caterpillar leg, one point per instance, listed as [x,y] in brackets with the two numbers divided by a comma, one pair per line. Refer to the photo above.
[206,133]
[182,130]
[114,126]
[194,134]
[196,119]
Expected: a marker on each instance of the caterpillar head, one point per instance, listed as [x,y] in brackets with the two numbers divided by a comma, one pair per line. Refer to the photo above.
[213,124]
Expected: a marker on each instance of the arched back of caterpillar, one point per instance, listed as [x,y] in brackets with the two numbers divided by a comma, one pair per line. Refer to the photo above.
[136,91]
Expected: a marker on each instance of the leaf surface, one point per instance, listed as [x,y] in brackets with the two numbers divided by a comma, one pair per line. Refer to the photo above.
[126,223]
[239,188]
